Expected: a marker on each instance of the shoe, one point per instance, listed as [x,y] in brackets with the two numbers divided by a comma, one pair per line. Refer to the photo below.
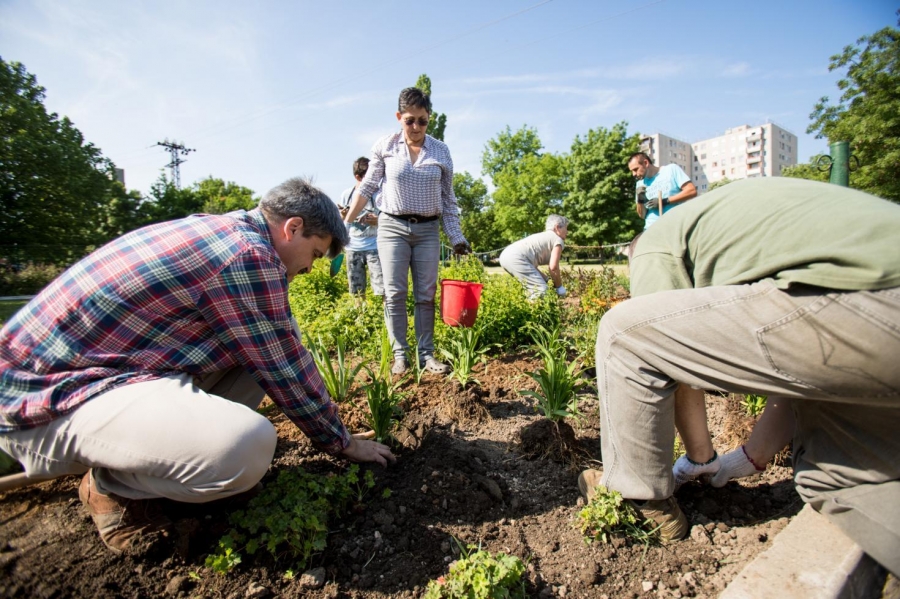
[587,483]
[433,365]
[400,366]
[672,523]
[125,525]
[685,470]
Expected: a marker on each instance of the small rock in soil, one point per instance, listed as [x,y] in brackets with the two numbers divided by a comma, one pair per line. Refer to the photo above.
[256,591]
[647,586]
[491,487]
[698,534]
[177,584]
[313,579]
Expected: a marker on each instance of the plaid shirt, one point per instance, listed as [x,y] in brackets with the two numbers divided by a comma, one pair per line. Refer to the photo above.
[195,295]
[424,188]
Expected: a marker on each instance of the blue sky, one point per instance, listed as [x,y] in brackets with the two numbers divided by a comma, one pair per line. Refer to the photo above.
[268,90]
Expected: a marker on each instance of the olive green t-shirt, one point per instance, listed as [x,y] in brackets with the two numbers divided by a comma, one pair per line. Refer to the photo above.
[792,231]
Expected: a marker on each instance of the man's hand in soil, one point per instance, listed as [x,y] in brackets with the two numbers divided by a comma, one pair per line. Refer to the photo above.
[361,450]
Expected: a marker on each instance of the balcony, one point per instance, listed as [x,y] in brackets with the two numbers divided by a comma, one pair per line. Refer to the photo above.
[753,160]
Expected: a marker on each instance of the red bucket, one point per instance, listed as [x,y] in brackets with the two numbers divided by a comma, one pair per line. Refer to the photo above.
[459,302]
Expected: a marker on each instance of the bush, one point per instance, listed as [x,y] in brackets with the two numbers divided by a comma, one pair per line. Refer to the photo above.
[28,280]
[480,575]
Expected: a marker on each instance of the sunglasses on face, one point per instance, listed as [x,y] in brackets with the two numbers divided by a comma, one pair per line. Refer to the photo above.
[422,121]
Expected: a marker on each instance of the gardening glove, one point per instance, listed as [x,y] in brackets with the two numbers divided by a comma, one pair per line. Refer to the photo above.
[461,249]
[642,195]
[686,470]
[654,203]
[561,291]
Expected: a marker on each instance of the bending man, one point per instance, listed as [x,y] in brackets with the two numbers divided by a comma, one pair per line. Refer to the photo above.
[522,258]
[746,290]
[141,366]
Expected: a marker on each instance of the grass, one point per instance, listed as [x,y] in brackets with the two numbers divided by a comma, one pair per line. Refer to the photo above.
[8,308]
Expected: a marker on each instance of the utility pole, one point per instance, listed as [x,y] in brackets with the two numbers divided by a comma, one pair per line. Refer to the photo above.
[174,150]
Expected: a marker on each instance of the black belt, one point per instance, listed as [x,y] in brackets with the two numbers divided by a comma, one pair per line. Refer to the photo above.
[415,218]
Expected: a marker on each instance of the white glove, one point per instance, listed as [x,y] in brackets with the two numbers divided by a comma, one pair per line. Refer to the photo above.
[561,291]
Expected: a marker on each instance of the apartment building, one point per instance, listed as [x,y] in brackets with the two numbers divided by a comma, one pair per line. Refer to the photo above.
[742,152]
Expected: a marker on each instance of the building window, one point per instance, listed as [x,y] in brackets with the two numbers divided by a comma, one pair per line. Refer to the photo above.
[702,156]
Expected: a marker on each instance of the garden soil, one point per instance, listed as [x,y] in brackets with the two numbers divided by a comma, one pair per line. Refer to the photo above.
[470,470]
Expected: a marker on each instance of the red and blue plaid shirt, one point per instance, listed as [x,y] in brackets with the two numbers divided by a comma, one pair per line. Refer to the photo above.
[195,295]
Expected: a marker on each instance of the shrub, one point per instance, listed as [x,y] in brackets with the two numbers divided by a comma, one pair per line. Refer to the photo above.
[28,280]
[480,575]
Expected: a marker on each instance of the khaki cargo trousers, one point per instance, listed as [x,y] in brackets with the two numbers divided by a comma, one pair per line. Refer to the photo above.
[836,352]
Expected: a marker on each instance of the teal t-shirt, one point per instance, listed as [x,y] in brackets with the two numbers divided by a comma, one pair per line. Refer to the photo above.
[792,231]
[667,181]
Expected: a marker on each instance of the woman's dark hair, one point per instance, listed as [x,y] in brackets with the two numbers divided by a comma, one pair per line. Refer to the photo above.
[413,97]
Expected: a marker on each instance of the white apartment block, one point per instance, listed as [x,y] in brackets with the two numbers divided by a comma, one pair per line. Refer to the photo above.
[742,152]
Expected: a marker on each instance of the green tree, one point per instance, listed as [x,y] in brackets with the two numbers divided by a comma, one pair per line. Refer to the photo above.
[122,212]
[438,122]
[509,148]
[808,170]
[53,184]
[719,183]
[167,202]
[528,191]
[868,112]
[600,202]
[476,211]
[220,197]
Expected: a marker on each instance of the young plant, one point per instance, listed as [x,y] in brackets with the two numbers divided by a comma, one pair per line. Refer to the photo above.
[383,400]
[386,356]
[479,575]
[557,382]
[549,342]
[289,518]
[754,404]
[338,381]
[466,351]
[608,515]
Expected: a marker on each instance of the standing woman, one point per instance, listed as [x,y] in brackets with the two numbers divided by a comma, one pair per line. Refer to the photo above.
[415,174]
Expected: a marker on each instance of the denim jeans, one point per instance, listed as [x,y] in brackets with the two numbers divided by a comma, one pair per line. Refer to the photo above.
[406,247]
[836,352]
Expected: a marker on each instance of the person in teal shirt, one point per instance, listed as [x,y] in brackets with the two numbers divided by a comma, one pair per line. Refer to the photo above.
[659,189]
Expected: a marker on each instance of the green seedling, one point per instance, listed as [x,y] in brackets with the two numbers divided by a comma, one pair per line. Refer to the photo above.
[384,407]
[557,383]
[466,351]
[338,381]
[754,404]
[478,574]
[608,515]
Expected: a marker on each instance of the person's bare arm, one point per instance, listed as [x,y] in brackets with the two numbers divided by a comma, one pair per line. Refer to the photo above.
[555,256]
[688,191]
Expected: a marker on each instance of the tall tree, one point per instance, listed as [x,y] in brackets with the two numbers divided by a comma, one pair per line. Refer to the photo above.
[438,122]
[528,191]
[53,183]
[123,211]
[476,211]
[507,148]
[219,196]
[167,202]
[600,202]
[868,112]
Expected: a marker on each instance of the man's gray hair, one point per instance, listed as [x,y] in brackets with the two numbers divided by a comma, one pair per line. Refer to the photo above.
[555,220]
[321,217]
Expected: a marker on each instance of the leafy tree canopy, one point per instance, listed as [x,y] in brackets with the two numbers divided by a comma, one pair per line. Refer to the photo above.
[600,203]
[220,197]
[509,148]
[476,211]
[528,191]
[807,171]
[438,122]
[53,184]
[867,114]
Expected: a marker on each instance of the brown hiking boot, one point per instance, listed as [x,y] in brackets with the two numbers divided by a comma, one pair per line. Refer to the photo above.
[672,523]
[125,525]
[587,483]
